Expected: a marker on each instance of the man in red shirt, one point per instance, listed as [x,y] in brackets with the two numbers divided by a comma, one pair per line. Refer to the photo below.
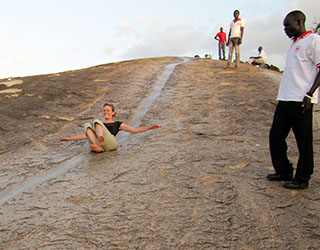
[221,37]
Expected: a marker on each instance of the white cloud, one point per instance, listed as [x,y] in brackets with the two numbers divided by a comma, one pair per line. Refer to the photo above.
[309,7]
[161,37]
[125,28]
[266,31]
[38,39]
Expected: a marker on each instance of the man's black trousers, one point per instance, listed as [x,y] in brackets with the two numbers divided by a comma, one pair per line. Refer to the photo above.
[289,115]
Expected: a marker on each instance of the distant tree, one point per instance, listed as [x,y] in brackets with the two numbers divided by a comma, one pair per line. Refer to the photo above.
[316,29]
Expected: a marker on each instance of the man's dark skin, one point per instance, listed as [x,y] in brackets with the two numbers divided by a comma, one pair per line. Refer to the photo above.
[257,57]
[236,17]
[294,27]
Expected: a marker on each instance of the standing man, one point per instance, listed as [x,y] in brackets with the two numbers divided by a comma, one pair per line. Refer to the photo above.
[235,38]
[221,37]
[297,92]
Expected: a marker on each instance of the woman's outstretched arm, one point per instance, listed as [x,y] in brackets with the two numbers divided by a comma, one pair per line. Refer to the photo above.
[74,138]
[128,128]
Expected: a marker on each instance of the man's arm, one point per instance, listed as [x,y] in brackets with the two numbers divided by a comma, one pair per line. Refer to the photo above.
[229,37]
[241,34]
[307,99]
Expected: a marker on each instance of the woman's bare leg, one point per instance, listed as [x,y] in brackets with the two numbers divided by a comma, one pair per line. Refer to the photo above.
[92,137]
[99,132]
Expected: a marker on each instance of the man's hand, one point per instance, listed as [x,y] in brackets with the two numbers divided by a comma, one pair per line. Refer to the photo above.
[306,104]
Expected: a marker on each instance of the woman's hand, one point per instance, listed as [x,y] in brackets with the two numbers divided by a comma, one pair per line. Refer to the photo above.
[64,139]
[155,126]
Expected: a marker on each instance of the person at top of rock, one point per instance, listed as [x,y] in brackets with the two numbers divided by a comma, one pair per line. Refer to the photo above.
[101,135]
[261,59]
[221,37]
[235,38]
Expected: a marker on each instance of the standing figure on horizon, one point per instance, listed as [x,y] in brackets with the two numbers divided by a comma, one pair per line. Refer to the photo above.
[297,92]
[235,38]
[101,135]
[221,37]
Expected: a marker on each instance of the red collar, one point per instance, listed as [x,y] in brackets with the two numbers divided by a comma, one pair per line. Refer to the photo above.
[234,20]
[303,35]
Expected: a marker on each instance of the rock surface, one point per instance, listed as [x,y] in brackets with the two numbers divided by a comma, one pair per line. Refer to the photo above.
[197,183]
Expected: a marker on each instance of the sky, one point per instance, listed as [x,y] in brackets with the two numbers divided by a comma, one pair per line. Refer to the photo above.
[50,36]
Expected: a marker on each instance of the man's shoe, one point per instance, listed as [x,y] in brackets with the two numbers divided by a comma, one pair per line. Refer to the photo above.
[279,177]
[296,185]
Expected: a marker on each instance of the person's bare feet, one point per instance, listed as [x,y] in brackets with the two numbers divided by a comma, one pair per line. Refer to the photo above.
[95,148]
[101,140]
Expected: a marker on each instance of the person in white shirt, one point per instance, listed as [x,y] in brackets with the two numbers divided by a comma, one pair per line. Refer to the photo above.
[261,59]
[235,38]
[298,92]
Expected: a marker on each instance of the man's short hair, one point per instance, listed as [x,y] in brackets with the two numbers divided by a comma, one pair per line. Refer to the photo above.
[297,15]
